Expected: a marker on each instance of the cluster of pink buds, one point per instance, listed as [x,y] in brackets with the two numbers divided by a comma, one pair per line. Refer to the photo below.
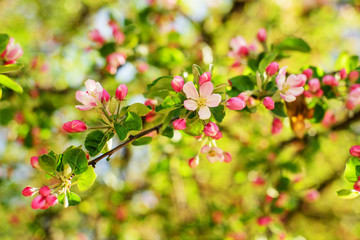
[277,126]
[114,61]
[329,119]
[353,99]
[12,52]
[118,35]
[330,81]
[314,88]
[212,130]
[42,201]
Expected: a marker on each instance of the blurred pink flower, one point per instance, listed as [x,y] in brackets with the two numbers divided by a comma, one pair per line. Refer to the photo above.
[92,97]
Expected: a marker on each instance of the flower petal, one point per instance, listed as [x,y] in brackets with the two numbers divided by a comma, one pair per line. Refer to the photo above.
[85,98]
[90,85]
[190,105]
[190,90]
[288,98]
[204,113]
[83,108]
[206,89]
[295,91]
[280,81]
[213,100]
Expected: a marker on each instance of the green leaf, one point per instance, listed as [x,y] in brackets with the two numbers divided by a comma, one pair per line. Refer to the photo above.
[197,71]
[319,113]
[73,198]
[352,62]
[107,48]
[293,44]
[10,67]
[169,104]
[7,82]
[86,179]
[96,140]
[347,193]
[351,173]
[279,109]
[161,83]
[194,127]
[266,61]
[142,141]
[131,122]
[242,83]
[138,108]
[4,40]
[168,132]
[218,113]
[47,163]
[77,160]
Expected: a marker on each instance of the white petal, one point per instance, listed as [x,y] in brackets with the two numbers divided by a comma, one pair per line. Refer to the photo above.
[213,100]
[204,113]
[295,91]
[83,108]
[288,98]
[280,81]
[90,85]
[206,89]
[190,105]
[190,90]
[85,98]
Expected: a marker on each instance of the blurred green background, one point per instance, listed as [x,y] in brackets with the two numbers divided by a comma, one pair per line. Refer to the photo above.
[149,192]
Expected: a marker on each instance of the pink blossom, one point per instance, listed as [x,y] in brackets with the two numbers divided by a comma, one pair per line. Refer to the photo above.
[38,202]
[105,96]
[308,73]
[218,136]
[211,129]
[205,77]
[142,67]
[121,92]
[239,47]
[214,154]
[269,103]
[119,36]
[92,97]
[12,52]
[264,221]
[353,76]
[34,161]
[193,162]
[353,99]
[290,87]
[227,157]
[114,61]
[177,83]
[95,36]
[343,73]
[355,150]
[261,35]
[246,96]
[314,85]
[272,69]
[74,126]
[45,191]
[276,126]
[28,191]
[179,124]
[330,81]
[235,103]
[312,195]
[329,119]
[202,102]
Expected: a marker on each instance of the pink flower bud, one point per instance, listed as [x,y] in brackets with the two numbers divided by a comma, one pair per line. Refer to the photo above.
[205,149]
[330,80]
[235,103]
[243,51]
[355,151]
[177,83]
[179,124]
[218,136]
[12,52]
[45,191]
[264,221]
[193,162]
[211,129]
[28,191]
[142,67]
[51,200]
[312,195]
[121,92]
[227,157]
[357,186]
[353,76]
[276,126]
[272,69]
[205,77]
[105,96]
[74,126]
[38,202]
[342,73]
[150,102]
[314,85]
[34,161]
[114,61]
[269,103]
[261,35]
[308,73]
[118,36]
[95,36]
[329,119]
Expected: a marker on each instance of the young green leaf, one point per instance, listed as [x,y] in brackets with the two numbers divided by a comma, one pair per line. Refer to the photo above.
[4,40]
[351,173]
[138,108]
[86,179]
[266,61]
[47,163]
[293,44]
[11,67]
[7,82]
[279,109]
[194,127]
[347,193]
[218,113]
[72,198]
[242,83]
[131,122]
[142,141]
[77,160]
[96,140]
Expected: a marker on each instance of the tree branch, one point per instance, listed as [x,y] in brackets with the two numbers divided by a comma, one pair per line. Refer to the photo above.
[130,140]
